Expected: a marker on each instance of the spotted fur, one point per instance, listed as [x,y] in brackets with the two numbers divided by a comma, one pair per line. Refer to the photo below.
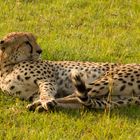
[53,83]
[22,74]
[118,87]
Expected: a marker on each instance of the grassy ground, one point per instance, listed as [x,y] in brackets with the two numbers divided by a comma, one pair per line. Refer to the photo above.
[86,30]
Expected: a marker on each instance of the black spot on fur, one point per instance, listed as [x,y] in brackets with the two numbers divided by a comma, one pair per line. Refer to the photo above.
[97,84]
[120,79]
[31,67]
[27,78]
[94,91]
[62,73]
[132,80]
[120,74]
[130,70]
[106,83]
[102,88]
[128,74]
[18,77]
[12,87]
[25,73]
[91,83]
[38,71]
[103,69]
[135,71]
[130,84]
[18,92]
[124,81]
[122,88]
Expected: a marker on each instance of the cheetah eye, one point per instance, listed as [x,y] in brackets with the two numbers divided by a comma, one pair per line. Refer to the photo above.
[2,41]
[28,43]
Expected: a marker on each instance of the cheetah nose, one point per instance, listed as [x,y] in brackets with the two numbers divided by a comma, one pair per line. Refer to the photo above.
[39,51]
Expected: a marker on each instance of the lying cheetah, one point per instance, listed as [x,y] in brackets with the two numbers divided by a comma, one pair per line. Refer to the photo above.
[25,75]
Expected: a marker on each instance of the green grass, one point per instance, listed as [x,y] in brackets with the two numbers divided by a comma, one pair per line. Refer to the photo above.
[83,30]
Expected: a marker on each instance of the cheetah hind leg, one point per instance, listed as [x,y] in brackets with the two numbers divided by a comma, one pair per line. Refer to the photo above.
[83,97]
[79,98]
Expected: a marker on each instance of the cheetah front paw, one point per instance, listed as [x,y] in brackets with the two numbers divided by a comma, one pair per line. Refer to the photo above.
[33,106]
[41,106]
[49,104]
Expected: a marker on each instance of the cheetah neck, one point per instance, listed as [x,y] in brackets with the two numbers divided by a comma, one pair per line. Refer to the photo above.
[5,68]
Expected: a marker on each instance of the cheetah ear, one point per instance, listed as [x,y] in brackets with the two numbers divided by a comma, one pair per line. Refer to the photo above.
[1,41]
[2,44]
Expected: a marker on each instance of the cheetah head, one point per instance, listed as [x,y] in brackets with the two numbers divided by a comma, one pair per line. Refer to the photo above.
[19,46]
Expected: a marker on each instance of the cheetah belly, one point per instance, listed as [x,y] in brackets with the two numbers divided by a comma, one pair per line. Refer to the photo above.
[21,89]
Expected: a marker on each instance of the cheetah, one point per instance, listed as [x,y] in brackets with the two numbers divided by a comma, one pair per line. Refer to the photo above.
[24,75]
[66,84]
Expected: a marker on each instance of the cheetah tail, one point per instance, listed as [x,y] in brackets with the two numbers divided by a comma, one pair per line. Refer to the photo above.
[79,84]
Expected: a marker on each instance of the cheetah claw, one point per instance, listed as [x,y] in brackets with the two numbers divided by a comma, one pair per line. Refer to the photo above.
[49,105]
[33,106]
[41,106]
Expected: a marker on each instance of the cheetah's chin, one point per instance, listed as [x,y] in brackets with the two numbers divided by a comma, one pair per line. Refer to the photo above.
[35,57]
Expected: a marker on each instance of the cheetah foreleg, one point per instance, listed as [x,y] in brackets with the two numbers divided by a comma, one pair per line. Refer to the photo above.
[47,92]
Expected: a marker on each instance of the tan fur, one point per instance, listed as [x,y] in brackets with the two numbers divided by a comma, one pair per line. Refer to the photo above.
[22,74]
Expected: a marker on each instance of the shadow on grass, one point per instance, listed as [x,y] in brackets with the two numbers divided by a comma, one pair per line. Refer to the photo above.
[131,112]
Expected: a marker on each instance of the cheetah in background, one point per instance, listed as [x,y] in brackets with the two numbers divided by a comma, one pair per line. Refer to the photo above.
[66,84]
